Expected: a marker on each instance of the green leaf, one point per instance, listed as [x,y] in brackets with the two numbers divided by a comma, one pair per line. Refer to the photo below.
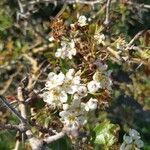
[92,29]
[47,122]
[5,20]
[105,134]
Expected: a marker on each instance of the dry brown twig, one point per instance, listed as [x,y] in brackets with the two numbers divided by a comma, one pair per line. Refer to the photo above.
[9,81]
[129,46]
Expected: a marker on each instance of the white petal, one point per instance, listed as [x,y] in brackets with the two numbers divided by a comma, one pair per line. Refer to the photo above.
[49,85]
[72,89]
[63,97]
[82,120]
[58,53]
[70,74]
[63,114]
[128,147]
[127,139]
[93,86]
[51,75]
[139,143]
[92,104]
[65,107]
[87,108]
[82,90]
[60,78]
[76,80]
[76,103]
[47,98]
[72,44]
[134,134]
[82,21]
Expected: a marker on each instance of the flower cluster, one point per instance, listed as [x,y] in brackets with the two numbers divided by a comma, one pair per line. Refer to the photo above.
[74,115]
[67,50]
[66,92]
[101,79]
[72,96]
[132,141]
[59,85]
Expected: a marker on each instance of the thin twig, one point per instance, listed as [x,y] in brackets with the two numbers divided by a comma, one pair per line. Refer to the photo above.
[4,100]
[17,145]
[107,18]
[134,39]
[61,11]
[42,48]
[9,82]
[20,6]
[138,5]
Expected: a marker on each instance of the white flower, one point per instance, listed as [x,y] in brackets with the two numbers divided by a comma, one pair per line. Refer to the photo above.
[55,97]
[134,134]
[71,82]
[91,104]
[97,76]
[67,50]
[99,38]
[71,120]
[82,90]
[61,53]
[74,116]
[133,140]
[54,80]
[82,21]
[106,83]
[93,86]
[104,80]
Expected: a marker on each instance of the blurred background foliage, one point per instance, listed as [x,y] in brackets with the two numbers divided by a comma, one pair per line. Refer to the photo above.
[28,32]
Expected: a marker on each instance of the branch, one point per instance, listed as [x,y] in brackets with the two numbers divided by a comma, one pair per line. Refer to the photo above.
[35,143]
[53,138]
[138,5]
[65,1]
[19,127]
